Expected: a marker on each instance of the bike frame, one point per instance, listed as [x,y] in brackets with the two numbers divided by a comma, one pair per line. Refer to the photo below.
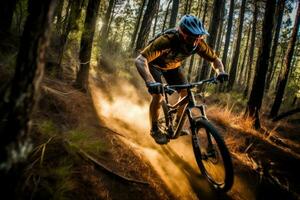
[189,103]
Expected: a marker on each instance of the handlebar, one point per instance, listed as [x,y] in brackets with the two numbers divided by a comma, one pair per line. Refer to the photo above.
[172,88]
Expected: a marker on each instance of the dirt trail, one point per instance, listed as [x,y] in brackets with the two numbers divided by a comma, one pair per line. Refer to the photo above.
[174,162]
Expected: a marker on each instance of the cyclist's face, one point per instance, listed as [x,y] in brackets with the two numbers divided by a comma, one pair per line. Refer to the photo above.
[191,40]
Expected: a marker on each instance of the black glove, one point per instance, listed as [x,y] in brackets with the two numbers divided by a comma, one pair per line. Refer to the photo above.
[155,88]
[222,77]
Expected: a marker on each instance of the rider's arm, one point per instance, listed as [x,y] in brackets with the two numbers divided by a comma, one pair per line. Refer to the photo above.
[143,69]
[218,66]
[150,53]
[208,54]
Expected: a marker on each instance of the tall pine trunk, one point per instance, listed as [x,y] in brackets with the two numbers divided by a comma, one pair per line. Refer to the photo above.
[21,98]
[7,8]
[279,15]
[58,14]
[191,67]
[243,68]
[166,15]
[251,51]
[87,44]
[213,31]
[287,66]
[221,30]
[257,92]
[104,29]
[137,24]
[205,12]
[174,12]
[75,10]
[186,7]
[155,23]
[235,59]
[228,34]
[199,8]
[152,8]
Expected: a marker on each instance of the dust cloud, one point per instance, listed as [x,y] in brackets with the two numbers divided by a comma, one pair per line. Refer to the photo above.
[126,112]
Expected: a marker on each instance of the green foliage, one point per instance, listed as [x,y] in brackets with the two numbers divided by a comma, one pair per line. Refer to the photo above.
[77,135]
[47,127]
[82,138]
[51,181]
[234,100]
[20,16]
[48,174]
[95,146]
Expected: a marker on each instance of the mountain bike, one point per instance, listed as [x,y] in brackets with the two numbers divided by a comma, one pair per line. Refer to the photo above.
[211,153]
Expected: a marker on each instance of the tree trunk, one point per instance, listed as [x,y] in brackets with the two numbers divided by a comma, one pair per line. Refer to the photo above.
[190,6]
[199,7]
[75,6]
[152,8]
[280,71]
[205,12]
[228,34]
[58,14]
[87,44]
[7,8]
[200,66]
[243,68]
[174,12]
[155,23]
[104,29]
[257,92]
[286,114]
[252,47]
[235,59]
[166,16]
[186,7]
[21,97]
[137,24]
[213,30]
[123,31]
[191,67]
[287,66]
[279,16]
[220,34]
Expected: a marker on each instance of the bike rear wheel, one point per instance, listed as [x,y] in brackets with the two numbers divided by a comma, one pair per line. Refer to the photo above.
[212,155]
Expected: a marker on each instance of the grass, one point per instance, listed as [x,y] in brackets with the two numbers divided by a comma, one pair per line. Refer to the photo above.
[49,172]
[83,139]
[47,128]
[54,182]
[51,168]
[225,116]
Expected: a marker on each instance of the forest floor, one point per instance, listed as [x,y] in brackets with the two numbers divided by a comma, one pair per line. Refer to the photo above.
[266,162]
[76,157]
[98,147]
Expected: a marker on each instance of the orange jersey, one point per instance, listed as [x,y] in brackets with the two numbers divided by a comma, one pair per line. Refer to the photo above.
[165,52]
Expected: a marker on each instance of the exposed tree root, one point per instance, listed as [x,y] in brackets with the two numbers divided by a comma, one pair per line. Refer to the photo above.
[96,162]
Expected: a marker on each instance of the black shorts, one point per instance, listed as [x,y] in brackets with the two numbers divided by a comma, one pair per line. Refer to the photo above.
[172,76]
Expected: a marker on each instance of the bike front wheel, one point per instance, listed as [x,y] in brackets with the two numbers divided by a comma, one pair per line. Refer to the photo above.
[212,155]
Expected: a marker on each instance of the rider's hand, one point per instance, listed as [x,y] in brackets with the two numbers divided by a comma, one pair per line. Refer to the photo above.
[222,77]
[154,88]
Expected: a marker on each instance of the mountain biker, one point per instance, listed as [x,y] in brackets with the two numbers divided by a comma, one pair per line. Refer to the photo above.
[163,57]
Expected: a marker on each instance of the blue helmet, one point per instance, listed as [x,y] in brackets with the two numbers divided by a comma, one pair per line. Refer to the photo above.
[192,25]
